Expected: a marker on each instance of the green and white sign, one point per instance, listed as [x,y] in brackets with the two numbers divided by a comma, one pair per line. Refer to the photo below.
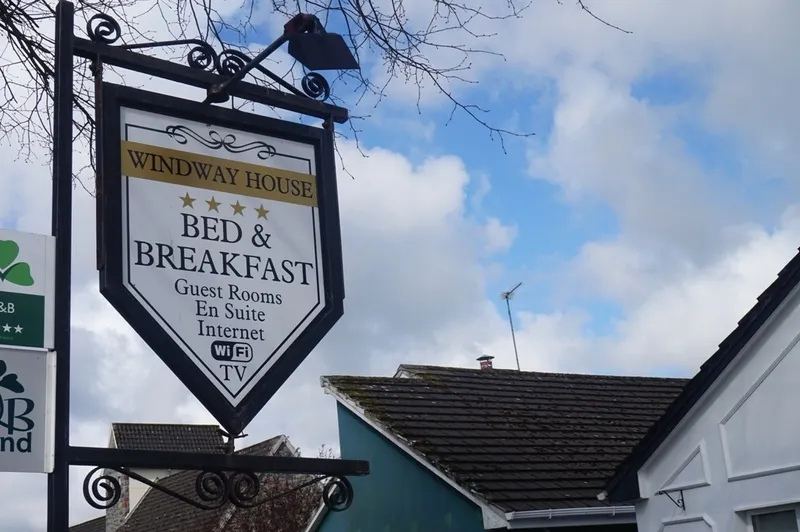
[27,285]
[27,404]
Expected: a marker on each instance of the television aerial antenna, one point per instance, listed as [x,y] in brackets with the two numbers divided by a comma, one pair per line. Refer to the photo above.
[507,296]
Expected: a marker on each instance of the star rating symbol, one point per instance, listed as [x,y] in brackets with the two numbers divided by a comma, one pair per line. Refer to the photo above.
[212,204]
[188,201]
[17,328]
[6,328]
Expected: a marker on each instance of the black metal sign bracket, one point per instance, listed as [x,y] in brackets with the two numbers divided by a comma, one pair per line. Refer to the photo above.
[221,478]
[207,69]
[227,478]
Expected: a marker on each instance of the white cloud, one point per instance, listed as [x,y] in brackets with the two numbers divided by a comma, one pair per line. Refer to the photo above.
[414,289]
[683,268]
[688,259]
[674,324]
[499,237]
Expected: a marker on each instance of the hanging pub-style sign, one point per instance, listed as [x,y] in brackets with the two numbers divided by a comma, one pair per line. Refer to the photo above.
[219,242]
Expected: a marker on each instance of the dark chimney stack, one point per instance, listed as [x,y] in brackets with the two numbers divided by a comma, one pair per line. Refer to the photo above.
[486,362]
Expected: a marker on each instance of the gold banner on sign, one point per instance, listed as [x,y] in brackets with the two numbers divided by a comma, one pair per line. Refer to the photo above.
[213,173]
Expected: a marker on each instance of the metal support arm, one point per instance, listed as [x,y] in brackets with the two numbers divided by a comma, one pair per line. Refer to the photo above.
[206,69]
[221,479]
[110,458]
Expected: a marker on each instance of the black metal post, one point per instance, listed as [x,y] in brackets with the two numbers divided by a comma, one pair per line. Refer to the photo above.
[58,480]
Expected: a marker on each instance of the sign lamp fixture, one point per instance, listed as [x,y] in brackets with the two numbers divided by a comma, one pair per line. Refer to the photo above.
[309,44]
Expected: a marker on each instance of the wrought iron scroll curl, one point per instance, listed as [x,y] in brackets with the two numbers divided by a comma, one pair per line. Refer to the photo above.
[213,489]
[337,494]
[103,28]
[110,486]
[316,86]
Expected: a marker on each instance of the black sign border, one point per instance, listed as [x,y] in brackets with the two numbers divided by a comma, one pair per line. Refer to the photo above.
[110,252]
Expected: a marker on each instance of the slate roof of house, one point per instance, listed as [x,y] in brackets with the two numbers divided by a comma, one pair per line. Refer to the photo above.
[160,512]
[624,485]
[520,440]
[168,437]
[95,525]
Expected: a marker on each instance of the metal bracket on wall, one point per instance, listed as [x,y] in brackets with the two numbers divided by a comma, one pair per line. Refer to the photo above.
[677,502]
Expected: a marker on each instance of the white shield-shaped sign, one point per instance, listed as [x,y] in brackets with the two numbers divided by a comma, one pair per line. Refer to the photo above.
[219,242]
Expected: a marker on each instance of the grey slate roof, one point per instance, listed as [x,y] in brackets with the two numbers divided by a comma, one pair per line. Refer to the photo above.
[521,440]
[624,485]
[159,512]
[95,525]
[168,437]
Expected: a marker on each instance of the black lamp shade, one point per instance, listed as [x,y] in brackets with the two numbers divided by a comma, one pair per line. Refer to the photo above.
[322,51]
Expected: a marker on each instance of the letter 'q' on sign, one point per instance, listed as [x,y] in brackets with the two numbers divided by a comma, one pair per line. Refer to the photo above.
[226,255]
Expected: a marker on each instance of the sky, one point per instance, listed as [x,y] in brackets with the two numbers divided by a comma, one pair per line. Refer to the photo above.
[655,202]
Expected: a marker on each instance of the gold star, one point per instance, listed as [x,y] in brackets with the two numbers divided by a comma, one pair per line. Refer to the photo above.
[238,208]
[262,212]
[188,201]
[212,204]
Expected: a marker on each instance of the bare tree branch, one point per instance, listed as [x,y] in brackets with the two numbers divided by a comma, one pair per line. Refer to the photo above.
[431,53]
[291,506]
[591,14]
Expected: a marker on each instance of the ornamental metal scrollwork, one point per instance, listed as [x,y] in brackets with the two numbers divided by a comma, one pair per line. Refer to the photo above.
[110,486]
[214,489]
[337,494]
[216,141]
[103,28]
[202,56]
[211,486]
[231,62]
[316,86]
[244,490]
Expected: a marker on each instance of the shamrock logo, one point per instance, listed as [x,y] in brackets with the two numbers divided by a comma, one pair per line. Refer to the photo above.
[16,273]
[10,381]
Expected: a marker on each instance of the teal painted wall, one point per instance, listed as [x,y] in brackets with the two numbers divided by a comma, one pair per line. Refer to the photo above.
[399,495]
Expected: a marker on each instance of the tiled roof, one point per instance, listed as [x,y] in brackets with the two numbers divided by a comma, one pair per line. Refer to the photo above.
[521,440]
[95,525]
[166,437]
[624,485]
[266,448]
[159,512]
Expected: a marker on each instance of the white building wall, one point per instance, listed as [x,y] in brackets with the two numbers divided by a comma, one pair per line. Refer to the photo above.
[739,449]
[138,489]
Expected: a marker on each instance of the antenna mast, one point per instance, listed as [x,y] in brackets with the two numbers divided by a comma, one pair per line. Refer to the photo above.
[507,296]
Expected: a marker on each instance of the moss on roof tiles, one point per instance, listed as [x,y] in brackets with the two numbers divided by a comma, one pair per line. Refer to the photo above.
[586,410]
